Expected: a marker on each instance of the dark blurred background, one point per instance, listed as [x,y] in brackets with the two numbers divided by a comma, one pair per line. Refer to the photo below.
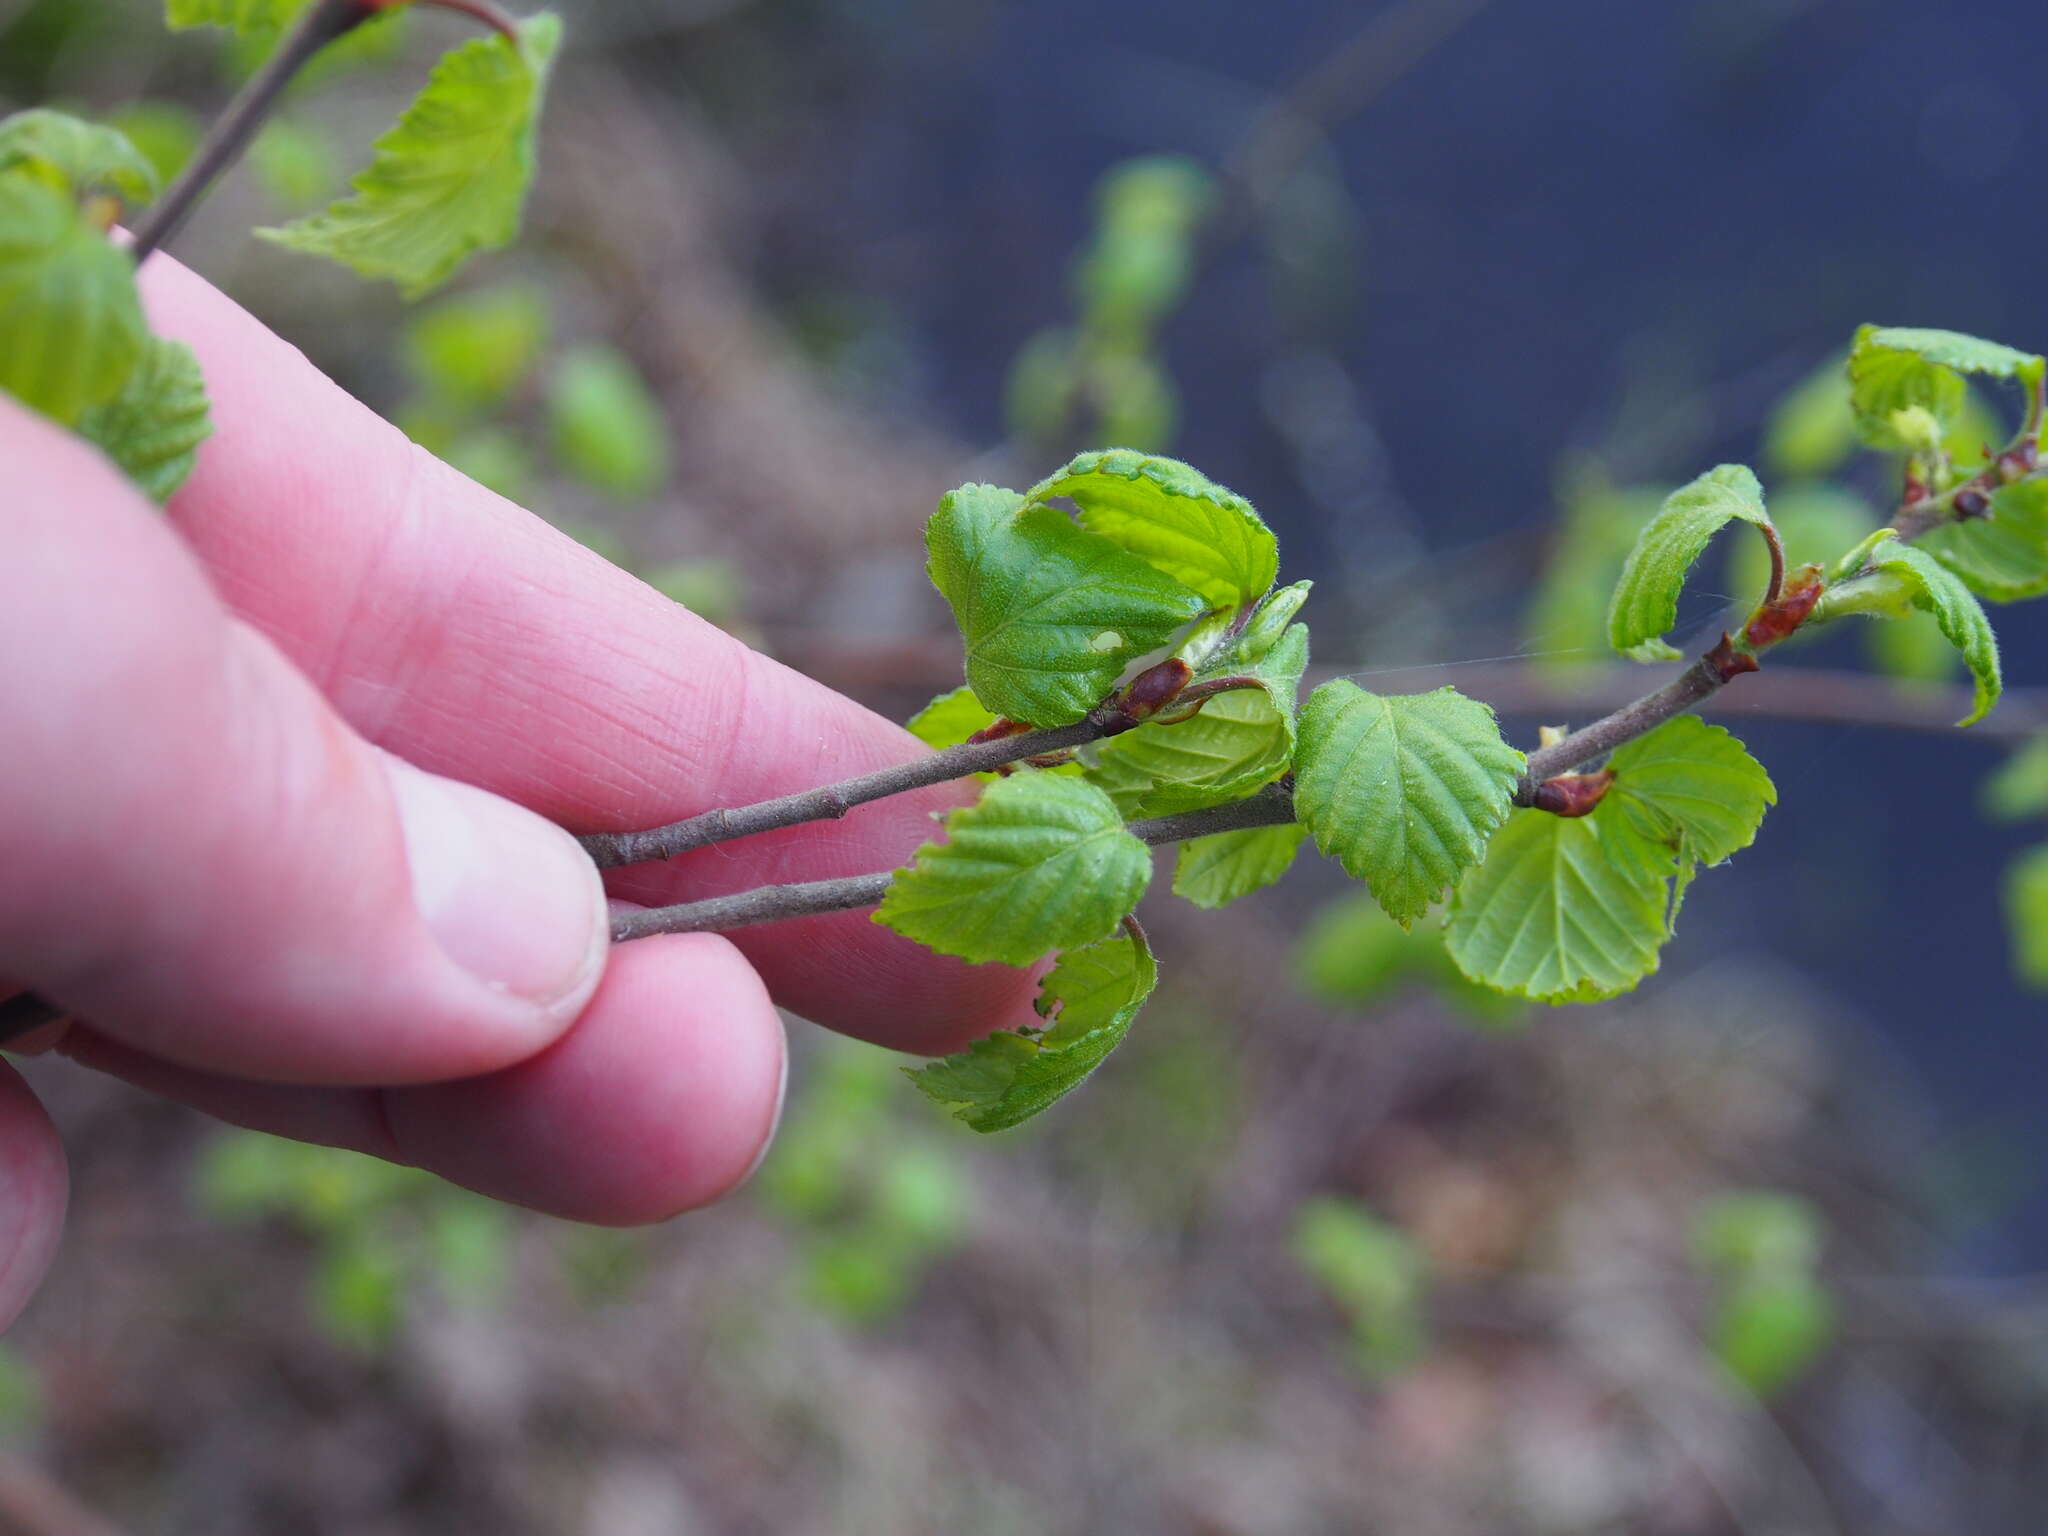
[1327,1246]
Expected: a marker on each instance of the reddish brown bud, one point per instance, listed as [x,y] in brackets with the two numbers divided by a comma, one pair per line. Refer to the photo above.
[1774,621]
[1972,503]
[1573,794]
[1153,689]
[1729,663]
[2015,464]
[998,729]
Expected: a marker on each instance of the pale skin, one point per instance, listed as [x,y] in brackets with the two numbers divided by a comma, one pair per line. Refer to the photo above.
[281,807]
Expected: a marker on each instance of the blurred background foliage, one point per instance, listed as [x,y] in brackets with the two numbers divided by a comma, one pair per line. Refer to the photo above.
[1455,290]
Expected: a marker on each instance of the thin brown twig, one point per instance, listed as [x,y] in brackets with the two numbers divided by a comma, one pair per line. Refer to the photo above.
[1270,807]
[323,22]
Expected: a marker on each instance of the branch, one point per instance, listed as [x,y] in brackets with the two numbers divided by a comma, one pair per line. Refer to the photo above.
[611,849]
[323,22]
[1143,698]
[1270,807]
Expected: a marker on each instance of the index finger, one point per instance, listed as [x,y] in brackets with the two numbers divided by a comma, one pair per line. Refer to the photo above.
[478,642]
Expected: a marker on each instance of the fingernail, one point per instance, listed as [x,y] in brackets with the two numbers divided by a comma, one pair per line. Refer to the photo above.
[512,899]
[774,1120]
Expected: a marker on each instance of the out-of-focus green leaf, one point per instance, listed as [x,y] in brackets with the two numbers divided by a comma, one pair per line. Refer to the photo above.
[163,131]
[359,1291]
[474,349]
[71,328]
[2019,789]
[75,157]
[1354,955]
[1811,430]
[1371,1270]
[295,163]
[2026,916]
[1568,618]
[608,428]
[243,16]
[154,427]
[496,458]
[450,179]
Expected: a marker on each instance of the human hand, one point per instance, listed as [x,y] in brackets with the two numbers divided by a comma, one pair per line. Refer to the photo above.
[279,797]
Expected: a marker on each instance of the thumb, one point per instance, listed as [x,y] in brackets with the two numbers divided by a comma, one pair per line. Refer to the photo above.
[201,857]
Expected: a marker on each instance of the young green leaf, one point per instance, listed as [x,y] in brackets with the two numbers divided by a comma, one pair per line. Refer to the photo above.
[1240,740]
[1598,526]
[1935,589]
[1040,862]
[1700,780]
[154,427]
[950,719]
[2026,916]
[1214,871]
[242,16]
[1172,516]
[71,326]
[1091,995]
[1645,604]
[607,426]
[1952,349]
[1268,624]
[1691,789]
[75,157]
[450,179]
[1564,909]
[1889,386]
[1050,614]
[1403,791]
[2003,557]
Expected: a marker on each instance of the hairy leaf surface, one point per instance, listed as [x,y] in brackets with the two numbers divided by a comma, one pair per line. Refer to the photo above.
[1091,995]
[1050,614]
[1645,605]
[154,427]
[1402,790]
[1174,517]
[1564,909]
[76,157]
[1937,590]
[450,179]
[71,326]
[1040,862]
[1214,871]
